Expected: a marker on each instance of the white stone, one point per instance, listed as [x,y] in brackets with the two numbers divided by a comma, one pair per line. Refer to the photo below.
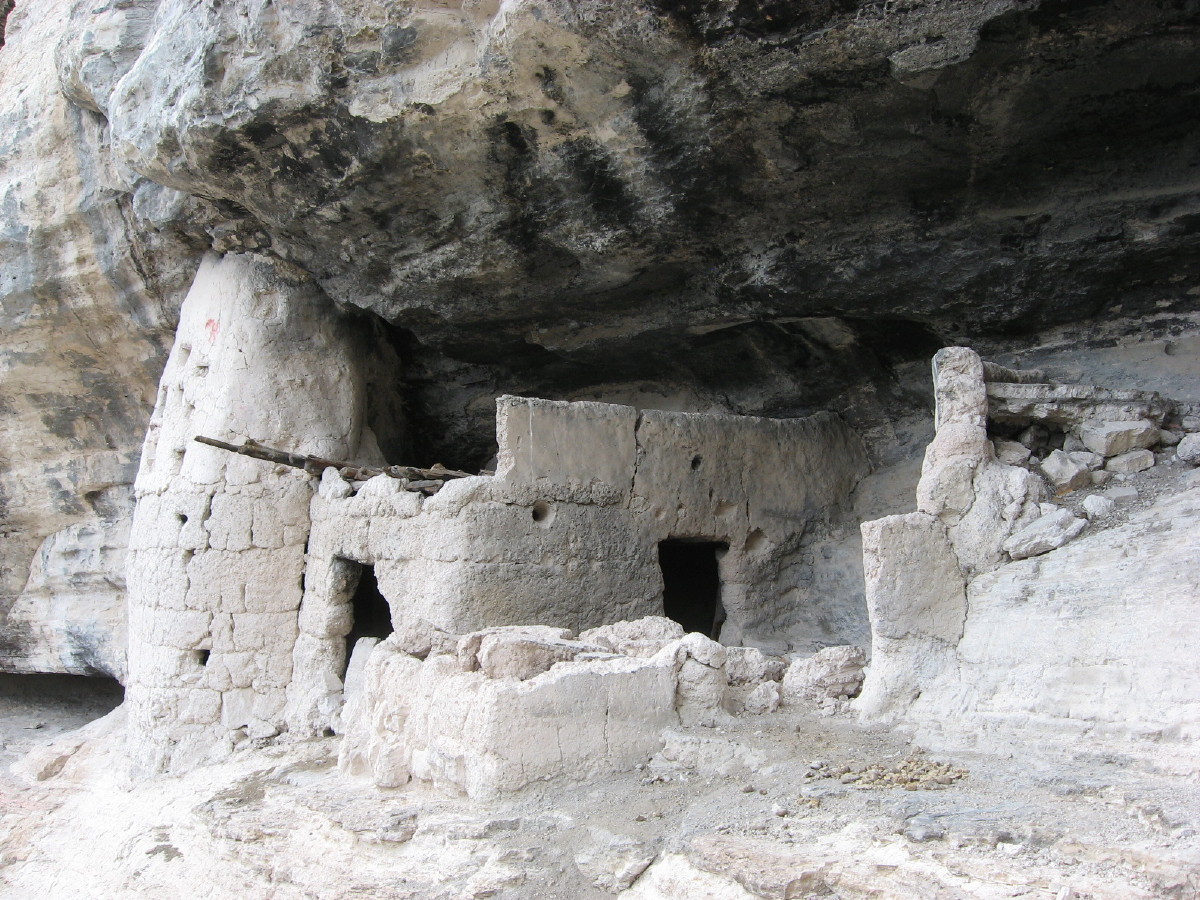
[1092,643]
[1011,453]
[1046,534]
[613,862]
[641,637]
[1131,462]
[832,673]
[749,665]
[504,655]
[1097,507]
[1115,438]
[333,486]
[765,698]
[673,877]
[1087,458]
[1189,449]
[710,756]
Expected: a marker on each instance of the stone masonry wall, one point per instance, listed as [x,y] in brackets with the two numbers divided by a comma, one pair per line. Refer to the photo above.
[217,548]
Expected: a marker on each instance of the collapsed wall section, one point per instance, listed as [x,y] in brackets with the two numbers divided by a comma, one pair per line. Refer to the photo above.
[218,541]
[1020,603]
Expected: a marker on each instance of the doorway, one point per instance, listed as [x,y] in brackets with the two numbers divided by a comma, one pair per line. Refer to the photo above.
[370,609]
[692,584]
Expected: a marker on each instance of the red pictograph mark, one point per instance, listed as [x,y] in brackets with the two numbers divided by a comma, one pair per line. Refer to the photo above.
[213,327]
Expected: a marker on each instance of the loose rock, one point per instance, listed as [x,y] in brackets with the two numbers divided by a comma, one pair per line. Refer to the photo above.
[1064,473]
[1131,462]
[1115,438]
[1045,534]
[1189,449]
[1097,507]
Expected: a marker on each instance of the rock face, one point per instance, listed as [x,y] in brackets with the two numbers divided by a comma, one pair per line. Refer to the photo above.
[89,294]
[735,207]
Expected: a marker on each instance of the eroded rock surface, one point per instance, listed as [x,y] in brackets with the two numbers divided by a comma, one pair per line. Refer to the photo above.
[722,206]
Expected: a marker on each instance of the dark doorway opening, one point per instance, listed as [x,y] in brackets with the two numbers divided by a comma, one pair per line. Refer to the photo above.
[372,614]
[692,584]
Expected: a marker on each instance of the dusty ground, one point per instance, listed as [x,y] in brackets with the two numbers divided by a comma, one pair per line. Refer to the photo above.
[279,821]
[37,708]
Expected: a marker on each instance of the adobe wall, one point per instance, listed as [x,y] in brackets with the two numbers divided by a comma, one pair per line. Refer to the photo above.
[216,554]
[566,532]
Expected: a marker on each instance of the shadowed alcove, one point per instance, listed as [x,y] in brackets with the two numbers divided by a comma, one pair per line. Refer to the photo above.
[692,584]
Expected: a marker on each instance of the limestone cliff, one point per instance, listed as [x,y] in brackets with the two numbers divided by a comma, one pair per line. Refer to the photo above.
[754,207]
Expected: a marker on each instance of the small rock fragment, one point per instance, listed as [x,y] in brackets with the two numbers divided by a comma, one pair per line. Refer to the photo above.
[1168,437]
[1119,493]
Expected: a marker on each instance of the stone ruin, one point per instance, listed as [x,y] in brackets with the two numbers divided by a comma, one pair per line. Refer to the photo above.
[1018,467]
[621,572]
[255,600]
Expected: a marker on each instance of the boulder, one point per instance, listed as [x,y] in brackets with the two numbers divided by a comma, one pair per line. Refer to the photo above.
[1169,438]
[1115,438]
[763,699]
[1087,458]
[1045,534]
[1011,453]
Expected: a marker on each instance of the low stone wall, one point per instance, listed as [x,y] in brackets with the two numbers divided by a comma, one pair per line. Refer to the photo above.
[493,711]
